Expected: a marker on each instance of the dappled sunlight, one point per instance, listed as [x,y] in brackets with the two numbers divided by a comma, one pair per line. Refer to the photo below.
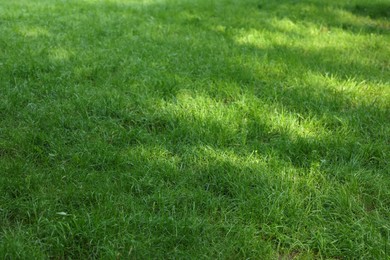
[150,154]
[257,38]
[33,32]
[358,92]
[285,25]
[260,163]
[200,106]
[130,3]
[245,121]
[332,56]
[348,17]
[59,54]
[201,118]
[304,35]
[299,126]
[231,156]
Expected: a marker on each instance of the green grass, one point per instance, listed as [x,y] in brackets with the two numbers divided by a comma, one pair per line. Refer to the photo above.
[230,129]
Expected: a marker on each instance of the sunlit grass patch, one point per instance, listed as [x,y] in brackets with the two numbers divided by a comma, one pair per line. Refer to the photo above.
[33,32]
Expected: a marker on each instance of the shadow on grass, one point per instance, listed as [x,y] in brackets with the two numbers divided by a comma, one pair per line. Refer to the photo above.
[251,68]
[374,10]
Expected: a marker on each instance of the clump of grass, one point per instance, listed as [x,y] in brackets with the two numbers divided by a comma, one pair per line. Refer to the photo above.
[194,129]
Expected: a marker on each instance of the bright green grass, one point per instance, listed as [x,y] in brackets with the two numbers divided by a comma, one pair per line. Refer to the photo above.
[196,129]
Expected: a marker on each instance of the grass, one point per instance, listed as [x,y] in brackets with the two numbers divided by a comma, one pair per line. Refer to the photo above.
[194,129]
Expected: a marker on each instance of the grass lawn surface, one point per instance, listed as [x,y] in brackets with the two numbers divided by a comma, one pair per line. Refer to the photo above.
[194,129]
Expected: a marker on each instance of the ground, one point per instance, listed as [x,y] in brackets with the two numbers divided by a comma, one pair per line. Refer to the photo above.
[194,129]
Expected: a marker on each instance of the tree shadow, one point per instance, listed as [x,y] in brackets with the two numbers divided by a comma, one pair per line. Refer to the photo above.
[373,10]
[253,70]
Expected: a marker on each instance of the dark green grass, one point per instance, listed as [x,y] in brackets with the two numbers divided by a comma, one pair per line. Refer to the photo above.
[194,129]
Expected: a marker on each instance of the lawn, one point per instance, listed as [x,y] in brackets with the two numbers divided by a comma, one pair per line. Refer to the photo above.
[194,129]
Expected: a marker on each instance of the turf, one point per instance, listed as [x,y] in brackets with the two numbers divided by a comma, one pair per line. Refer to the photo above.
[195,129]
